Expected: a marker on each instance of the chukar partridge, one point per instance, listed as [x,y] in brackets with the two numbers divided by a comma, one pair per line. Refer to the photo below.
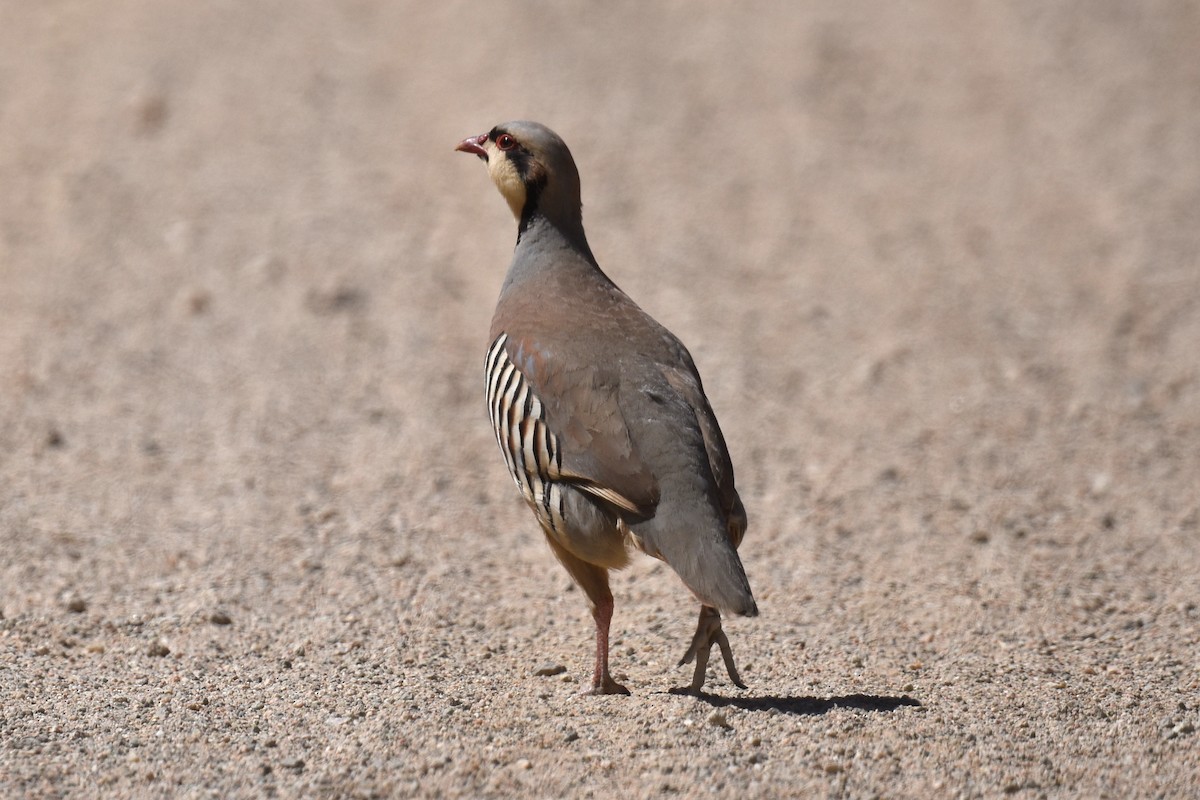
[599,410]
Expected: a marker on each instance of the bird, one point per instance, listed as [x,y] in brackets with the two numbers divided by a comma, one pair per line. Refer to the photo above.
[600,413]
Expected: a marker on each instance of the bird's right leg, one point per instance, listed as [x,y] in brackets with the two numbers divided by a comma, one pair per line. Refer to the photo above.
[708,633]
[594,582]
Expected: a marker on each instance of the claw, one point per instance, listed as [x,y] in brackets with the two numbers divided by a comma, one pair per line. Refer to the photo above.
[607,686]
[708,632]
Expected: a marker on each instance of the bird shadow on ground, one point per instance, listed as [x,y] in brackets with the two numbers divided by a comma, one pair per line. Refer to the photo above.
[806,705]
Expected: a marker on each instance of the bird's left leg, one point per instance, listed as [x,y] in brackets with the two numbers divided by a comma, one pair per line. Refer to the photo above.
[708,633]
[594,582]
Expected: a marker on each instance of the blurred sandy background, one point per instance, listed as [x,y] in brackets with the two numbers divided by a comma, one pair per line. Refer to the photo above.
[938,264]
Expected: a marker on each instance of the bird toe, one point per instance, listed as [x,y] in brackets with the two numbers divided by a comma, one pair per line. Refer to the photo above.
[607,686]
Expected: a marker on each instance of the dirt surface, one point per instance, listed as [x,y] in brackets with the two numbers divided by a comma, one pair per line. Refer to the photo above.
[938,267]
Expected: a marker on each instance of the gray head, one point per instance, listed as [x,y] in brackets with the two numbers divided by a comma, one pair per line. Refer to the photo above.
[534,171]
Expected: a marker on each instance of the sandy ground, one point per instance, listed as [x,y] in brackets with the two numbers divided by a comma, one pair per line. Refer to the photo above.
[937,264]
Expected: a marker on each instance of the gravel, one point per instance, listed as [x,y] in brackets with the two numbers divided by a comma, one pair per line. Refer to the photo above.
[937,266]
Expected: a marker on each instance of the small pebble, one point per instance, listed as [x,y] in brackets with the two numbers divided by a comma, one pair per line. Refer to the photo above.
[220,618]
[550,669]
[1181,729]
[158,649]
[198,302]
[524,763]
[76,605]
[150,112]
[717,720]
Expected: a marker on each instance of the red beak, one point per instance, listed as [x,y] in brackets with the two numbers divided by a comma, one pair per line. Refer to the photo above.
[474,144]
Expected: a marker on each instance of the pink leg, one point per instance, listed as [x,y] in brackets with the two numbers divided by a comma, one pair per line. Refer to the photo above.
[602,682]
[594,582]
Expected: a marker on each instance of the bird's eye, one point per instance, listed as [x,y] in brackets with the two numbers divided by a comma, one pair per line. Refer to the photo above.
[505,142]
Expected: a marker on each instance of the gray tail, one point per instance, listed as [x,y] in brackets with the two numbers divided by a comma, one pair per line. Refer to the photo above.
[706,562]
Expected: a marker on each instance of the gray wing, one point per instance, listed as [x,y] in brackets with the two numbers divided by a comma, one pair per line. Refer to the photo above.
[596,452]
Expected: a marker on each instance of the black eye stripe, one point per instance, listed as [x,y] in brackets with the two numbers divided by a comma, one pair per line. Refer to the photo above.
[520,158]
[498,133]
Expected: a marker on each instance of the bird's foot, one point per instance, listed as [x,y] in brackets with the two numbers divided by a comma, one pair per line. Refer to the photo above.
[606,685]
[708,633]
